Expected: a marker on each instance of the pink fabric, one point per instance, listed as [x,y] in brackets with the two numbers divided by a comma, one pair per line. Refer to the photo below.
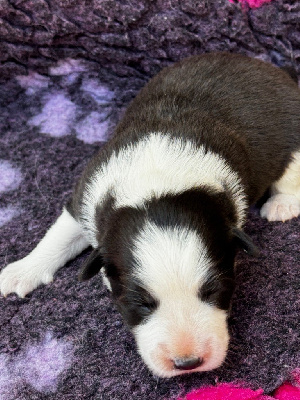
[287,392]
[253,3]
[295,377]
[226,392]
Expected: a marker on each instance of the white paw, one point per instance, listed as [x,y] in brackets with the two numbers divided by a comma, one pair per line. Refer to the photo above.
[23,276]
[281,207]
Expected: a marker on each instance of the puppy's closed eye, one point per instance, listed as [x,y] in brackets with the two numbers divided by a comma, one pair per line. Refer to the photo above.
[137,304]
[142,299]
[217,291]
[147,305]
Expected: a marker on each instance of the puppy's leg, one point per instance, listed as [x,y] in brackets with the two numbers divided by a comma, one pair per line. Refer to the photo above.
[284,203]
[63,241]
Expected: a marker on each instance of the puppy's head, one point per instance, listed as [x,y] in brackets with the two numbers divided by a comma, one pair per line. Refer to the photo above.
[170,268]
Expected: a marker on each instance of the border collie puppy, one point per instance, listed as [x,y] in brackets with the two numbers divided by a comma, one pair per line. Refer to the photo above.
[163,204]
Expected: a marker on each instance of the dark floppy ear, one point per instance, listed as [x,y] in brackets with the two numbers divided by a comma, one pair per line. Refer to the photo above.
[245,242]
[91,266]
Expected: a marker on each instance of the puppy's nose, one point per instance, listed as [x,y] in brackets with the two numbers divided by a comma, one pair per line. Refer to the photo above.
[187,363]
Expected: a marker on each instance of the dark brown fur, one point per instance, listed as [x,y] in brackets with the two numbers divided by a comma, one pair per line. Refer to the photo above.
[241,108]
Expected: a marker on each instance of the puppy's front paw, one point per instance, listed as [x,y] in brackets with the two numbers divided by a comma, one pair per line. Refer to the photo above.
[281,207]
[23,276]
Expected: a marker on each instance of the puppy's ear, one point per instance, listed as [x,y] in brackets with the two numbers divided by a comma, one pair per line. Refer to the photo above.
[91,266]
[245,242]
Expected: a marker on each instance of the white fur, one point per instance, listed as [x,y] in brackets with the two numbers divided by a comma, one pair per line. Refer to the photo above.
[63,241]
[176,253]
[284,203]
[105,280]
[154,166]
[173,264]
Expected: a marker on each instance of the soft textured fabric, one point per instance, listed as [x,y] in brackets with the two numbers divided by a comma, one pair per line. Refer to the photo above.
[226,392]
[68,71]
[253,3]
[289,390]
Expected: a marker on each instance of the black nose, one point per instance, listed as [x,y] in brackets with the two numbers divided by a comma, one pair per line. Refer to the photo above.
[187,363]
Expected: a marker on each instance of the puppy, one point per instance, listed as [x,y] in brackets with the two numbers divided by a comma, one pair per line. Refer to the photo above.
[163,204]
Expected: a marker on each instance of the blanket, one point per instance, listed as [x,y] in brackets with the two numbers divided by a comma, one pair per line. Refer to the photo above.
[68,70]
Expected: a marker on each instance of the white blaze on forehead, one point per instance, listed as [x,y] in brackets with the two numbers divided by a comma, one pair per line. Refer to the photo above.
[173,264]
[170,260]
[154,166]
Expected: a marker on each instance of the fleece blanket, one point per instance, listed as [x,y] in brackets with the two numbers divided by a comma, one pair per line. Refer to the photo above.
[68,70]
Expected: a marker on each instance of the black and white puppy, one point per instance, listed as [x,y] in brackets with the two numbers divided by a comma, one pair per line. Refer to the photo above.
[163,204]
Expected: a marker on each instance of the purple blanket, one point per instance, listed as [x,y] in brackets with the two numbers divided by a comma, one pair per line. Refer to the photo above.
[68,70]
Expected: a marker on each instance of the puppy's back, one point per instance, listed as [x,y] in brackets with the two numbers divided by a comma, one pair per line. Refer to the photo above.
[235,105]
